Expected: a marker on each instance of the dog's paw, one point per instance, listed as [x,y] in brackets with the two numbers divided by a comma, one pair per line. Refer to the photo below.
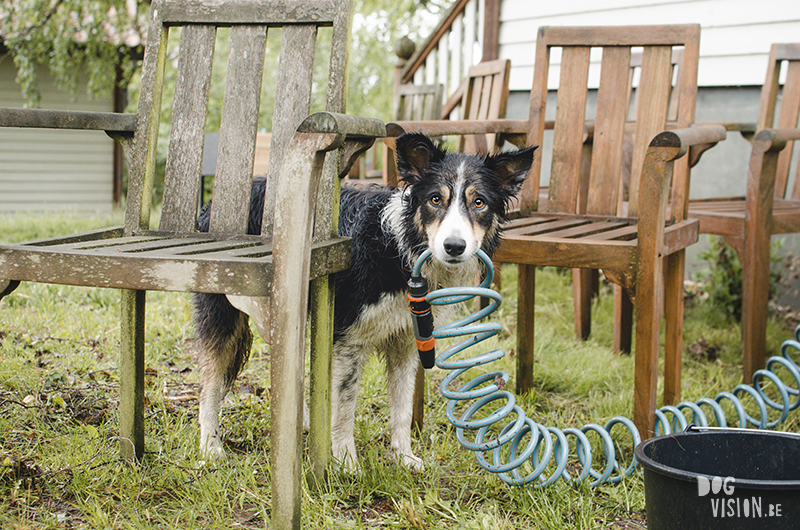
[212,449]
[346,461]
[410,461]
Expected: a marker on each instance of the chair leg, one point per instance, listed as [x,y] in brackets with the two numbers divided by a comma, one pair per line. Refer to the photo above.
[755,297]
[131,375]
[286,380]
[582,293]
[648,326]
[673,341]
[623,320]
[525,321]
[319,435]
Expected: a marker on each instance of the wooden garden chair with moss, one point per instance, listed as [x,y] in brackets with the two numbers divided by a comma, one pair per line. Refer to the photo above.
[298,244]
[632,248]
[769,206]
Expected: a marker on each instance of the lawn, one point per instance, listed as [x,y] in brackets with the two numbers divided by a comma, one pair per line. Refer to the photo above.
[59,466]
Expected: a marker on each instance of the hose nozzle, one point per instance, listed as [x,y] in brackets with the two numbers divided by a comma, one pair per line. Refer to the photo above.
[423,320]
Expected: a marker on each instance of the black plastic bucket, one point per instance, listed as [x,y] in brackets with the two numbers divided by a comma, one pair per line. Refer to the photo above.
[722,479]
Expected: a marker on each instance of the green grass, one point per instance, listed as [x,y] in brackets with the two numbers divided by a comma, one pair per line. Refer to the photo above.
[59,466]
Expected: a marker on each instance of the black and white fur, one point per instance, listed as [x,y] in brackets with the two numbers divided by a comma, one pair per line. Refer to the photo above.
[453,204]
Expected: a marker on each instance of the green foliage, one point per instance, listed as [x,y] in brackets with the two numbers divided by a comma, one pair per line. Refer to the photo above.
[721,278]
[377,26]
[72,37]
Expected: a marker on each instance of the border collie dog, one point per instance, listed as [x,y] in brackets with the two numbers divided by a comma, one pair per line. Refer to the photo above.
[453,204]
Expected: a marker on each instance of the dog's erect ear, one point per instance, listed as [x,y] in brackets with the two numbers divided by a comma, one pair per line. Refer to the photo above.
[511,167]
[415,155]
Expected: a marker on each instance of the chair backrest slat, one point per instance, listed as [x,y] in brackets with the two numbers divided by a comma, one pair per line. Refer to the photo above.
[238,129]
[292,102]
[185,155]
[595,189]
[651,117]
[249,20]
[787,118]
[612,104]
[570,125]
[142,156]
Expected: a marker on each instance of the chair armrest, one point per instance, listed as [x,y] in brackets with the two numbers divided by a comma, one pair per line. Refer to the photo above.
[657,175]
[343,124]
[515,131]
[746,128]
[356,134]
[766,162]
[772,140]
[111,122]
[682,139]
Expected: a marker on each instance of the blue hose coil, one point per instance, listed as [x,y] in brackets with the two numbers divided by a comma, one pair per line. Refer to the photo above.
[504,454]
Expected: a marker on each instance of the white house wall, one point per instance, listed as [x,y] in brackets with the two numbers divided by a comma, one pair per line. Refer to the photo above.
[735,38]
[43,169]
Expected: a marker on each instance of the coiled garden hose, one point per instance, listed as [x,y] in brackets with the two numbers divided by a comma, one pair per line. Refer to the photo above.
[548,447]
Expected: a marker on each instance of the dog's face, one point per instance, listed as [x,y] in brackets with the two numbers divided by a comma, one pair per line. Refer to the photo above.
[455,202]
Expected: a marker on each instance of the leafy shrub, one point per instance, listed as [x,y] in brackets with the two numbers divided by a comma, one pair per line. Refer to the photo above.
[721,278]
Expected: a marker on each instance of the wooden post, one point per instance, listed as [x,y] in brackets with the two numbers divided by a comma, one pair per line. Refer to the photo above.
[404,48]
[491,31]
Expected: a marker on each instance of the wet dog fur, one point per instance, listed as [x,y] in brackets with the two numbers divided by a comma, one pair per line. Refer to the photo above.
[453,204]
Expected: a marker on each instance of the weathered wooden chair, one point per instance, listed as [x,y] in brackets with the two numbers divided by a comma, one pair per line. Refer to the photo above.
[769,206]
[629,249]
[298,242]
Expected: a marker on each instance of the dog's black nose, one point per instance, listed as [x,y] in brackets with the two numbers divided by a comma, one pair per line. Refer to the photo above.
[454,246]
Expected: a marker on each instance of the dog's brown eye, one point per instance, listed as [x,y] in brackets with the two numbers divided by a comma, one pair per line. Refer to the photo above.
[436,200]
[479,203]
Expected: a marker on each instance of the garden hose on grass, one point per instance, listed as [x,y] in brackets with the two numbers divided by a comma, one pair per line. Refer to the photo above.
[548,448]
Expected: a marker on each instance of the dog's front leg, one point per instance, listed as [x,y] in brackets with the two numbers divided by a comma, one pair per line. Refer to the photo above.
[401,367]
[347,366]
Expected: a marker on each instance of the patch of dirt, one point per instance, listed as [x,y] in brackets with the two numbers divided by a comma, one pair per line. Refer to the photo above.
[702,351]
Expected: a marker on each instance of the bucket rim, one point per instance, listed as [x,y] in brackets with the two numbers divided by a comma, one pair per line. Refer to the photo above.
[688,476]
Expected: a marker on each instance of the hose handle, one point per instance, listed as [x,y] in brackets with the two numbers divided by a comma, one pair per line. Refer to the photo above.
[422,319]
